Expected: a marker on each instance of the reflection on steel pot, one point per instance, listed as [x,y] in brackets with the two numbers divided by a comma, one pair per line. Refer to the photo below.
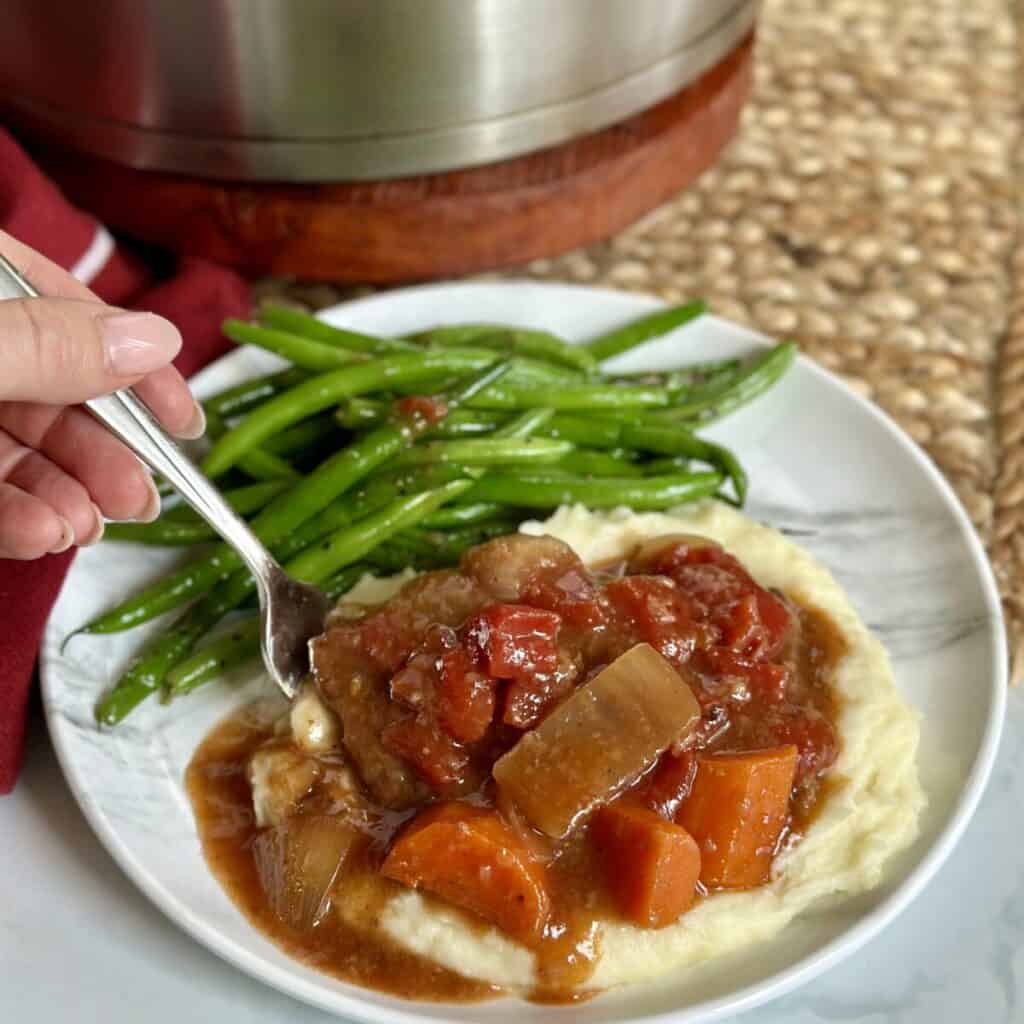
[322,90]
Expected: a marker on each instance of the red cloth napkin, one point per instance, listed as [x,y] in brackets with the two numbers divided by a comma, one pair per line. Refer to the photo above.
[196,298]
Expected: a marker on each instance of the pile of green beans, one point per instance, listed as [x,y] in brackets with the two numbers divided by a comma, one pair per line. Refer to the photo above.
[340,475]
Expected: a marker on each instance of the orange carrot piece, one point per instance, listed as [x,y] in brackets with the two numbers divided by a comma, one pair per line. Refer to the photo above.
[650,865]
[468,856]
[736,811]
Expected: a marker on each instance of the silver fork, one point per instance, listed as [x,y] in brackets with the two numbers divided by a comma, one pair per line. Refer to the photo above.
[291,613]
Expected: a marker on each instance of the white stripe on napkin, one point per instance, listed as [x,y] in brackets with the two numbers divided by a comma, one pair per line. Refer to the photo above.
[94,259]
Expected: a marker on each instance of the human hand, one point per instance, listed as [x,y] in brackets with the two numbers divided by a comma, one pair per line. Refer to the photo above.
[61,471]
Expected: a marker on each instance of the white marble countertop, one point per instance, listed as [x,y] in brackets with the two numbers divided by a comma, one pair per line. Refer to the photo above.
[78,942]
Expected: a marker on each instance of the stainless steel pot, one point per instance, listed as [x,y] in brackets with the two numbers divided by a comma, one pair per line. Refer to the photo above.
[331,90]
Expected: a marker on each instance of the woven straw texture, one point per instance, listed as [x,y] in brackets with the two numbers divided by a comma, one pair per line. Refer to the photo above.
[869,208]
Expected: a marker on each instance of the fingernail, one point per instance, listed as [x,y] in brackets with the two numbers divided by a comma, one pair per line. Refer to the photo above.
[196,426]
[96,534]
[152,509]
[138,342]
[67,537]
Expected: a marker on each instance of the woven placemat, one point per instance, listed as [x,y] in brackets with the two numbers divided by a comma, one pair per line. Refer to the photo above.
[869,209]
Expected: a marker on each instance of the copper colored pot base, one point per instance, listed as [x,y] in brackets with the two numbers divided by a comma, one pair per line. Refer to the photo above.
[435,225]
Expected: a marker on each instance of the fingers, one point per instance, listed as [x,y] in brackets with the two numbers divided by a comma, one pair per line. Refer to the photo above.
[29,528]
[64,351]
[37,475]
[70,438]
[169,399]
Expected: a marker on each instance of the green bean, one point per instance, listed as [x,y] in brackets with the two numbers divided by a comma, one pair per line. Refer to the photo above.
[257,463]
[454,334]
[161,533]
[524,425]
[304,435]
[465,515]
[668,440]
[166,594]
[295,321]
[484,452]
[423,550]
[593,432]
[244,397]
[302,352]
[666,465]
[595,397]
[684,377]
[622,339]
[727,395]
[147,672]
[262,465]
[547,491]
[244,500]
[584,462]
[351,543]
[329,389]
[524,341]
[526,373]
[240,644]
[361,413]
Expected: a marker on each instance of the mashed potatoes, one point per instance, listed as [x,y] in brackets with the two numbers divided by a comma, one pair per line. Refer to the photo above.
[870,813]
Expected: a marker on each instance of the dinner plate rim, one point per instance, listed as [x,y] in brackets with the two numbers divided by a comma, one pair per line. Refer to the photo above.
[786,980]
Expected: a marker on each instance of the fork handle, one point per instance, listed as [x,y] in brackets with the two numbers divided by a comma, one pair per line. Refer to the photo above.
[130,420]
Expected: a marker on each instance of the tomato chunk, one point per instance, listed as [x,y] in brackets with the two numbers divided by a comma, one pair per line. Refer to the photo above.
[656,613]
[433,755]
[571,594]
[737,810]
[514,640]
[765,681]
[470,857]
[465,697]
[421,407]
[650,865]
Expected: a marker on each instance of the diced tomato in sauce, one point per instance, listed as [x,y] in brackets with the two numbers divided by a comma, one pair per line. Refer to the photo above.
[421,407]
[572,595]
[513,641]
[654,611]
[437,758]
[764,681]
[465,698]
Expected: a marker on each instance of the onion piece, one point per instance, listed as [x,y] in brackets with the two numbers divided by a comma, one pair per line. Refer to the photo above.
[298,861]
[598,741]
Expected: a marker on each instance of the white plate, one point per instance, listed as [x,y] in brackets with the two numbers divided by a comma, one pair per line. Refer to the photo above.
[826,467]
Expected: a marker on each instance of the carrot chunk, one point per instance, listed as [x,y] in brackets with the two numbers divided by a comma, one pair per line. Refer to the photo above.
[736,811]
[650,865]
[468,856]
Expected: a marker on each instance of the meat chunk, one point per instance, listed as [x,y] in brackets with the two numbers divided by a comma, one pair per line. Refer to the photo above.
[358,696]
[445,598]
[506,567]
